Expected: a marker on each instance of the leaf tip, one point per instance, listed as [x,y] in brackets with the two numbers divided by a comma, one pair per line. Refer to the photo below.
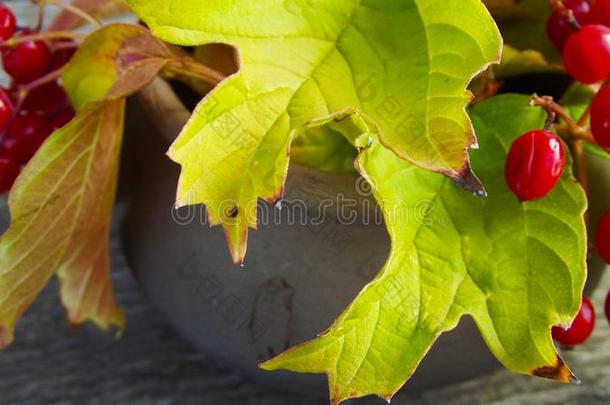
[6,337]
[467,180]
[557,372]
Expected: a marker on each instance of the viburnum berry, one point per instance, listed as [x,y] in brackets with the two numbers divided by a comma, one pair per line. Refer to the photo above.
[559,28]
[63,117]
[600,118]
[6,110]
[602,236]
[534,165]
[46,99]
[27,61]
[608,307]
[8,22]
[25,136]
[64,50]
[9,170]
[581,328]
[600,12]
[586,55]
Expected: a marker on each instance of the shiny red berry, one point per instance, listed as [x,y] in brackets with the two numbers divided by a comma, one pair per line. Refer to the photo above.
[27,61]
[25,136]
[46,99]
[62,118]
[558,27]
[9,170]
[6,110]
[586,55]
[600,118]
[64,50]
[8,22]
[581,328]
[608,307]
[602,237]
[534,165]
[600,12]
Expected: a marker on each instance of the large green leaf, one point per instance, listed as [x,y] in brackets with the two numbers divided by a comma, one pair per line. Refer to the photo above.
[405,63]
[516,268]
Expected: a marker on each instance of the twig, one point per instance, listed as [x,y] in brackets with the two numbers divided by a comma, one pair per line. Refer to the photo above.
[43,36]
[74,10]
[557,5]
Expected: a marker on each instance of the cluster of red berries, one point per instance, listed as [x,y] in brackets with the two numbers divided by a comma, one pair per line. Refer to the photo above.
[581,30]
[31,108]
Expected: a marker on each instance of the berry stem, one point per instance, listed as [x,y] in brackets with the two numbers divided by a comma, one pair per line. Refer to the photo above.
[41,15]
[558,6]
[72,9]
[42,37]
[553,111]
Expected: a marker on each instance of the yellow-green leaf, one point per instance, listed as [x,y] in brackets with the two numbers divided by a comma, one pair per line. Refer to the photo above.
[516,268]
[406,64]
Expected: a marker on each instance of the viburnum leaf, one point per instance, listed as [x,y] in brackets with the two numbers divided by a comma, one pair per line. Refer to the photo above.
[406,64]
[62,202]
[60,217]
[515,63]
[516,268]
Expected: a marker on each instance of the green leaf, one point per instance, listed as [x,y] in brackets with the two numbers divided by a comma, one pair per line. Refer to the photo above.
[515,268]
[406,64]
[515,63]
[60,208]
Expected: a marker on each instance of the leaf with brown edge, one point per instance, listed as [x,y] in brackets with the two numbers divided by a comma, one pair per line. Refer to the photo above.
[406,64]
[60,211]
[516,268]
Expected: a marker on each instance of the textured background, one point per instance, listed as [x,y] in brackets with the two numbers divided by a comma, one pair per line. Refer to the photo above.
[51,364]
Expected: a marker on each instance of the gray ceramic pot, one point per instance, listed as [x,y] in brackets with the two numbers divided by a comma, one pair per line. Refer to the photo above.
[297,278]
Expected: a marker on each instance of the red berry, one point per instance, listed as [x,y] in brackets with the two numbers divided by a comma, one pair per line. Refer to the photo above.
[62,118]
[63,53]
[600,12]
[558,27]
[25,136]
[46,99]
[602,237]
[6,110]
[9,170]
[581,328]
[534,165]
[7,22]
[586,55]
[608,307]
[27,61]
[600,118]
